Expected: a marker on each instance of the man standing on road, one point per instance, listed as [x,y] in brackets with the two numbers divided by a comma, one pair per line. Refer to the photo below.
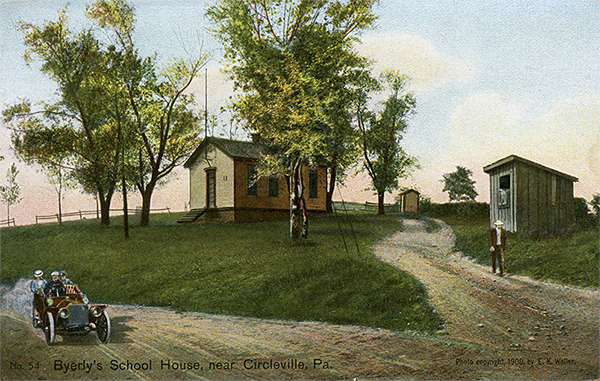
[497,244]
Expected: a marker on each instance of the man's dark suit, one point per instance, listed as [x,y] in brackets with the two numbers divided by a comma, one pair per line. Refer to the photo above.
[497,250]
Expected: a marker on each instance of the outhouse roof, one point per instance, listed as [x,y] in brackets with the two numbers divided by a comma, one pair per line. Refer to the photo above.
[410,191]
[514,158]
[232,148]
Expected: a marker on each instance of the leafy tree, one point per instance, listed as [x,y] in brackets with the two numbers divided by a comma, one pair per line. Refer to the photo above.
[381,132]
[119,119]
[459,185]
[74,127]
[60,178]
[292,61]
[162,126]
[10,193]
[595,204]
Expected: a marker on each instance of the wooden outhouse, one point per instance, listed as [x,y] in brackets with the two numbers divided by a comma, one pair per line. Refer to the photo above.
[409,201]
[529,197]
[223,185]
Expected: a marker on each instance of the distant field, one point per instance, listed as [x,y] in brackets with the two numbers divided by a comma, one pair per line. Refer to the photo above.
[249,269]
[572,260]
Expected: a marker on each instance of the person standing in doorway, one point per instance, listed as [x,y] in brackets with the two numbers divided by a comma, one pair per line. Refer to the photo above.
[497,244]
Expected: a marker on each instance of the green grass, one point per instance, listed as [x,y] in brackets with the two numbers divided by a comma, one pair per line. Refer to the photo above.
[249,269]
[570,260]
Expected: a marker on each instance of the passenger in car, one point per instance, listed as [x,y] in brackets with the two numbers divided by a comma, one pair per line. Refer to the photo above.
[39,283]
[63,277]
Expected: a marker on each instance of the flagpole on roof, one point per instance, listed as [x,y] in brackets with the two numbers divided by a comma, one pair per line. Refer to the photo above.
[205,103]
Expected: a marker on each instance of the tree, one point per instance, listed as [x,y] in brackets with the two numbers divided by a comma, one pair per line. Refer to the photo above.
[74,127]
[59,177]
[160,119]
[381,133]
[291,60]
[10,193]
[595,204]
[119,119]
[459,185]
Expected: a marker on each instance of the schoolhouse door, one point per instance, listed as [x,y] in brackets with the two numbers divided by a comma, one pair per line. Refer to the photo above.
[211,192]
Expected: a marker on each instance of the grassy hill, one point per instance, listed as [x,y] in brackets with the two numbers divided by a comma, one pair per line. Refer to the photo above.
[570,260]
[249,269]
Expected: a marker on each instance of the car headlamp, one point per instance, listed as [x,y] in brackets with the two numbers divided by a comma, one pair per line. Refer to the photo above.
[49,301]
[85,300]
[96,311]
[63,313]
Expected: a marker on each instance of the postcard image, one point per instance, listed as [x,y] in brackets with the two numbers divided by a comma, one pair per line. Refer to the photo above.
[299,190]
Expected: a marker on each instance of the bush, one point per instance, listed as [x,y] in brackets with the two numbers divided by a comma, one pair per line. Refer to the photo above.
[584,219]
[569,260]
[454,209]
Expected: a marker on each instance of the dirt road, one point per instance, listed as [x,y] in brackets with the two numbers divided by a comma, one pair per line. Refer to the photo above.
[496,328]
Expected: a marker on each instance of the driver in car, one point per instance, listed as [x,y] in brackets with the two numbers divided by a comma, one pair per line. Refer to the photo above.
[54,287]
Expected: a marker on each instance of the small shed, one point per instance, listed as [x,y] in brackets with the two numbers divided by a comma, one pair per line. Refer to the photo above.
[409,201]
[530,198]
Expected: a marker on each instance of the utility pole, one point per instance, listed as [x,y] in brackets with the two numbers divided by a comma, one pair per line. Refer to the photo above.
[205,102]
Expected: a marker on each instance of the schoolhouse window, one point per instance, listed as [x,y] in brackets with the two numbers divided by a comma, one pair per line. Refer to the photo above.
[312,182]
[504,193]
[273,185]
[251,180]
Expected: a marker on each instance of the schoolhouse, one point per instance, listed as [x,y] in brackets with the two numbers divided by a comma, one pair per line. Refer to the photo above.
[223,185]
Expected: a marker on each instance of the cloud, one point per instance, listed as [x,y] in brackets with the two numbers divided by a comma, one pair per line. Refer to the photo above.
[485,124]
[489,126]
[415,57]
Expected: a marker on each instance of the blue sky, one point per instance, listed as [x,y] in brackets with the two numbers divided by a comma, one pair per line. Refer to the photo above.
[491,78]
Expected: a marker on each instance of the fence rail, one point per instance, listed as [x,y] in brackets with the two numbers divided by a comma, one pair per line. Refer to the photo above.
[8,222]
[95,213]
[366,206]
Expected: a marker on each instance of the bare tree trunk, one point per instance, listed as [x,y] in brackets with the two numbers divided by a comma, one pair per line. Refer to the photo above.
[296,200]
[105,199]
[104,211]
[304,230]
[146,201]
[380,202]
[125,211]
[330,188]
[59,207]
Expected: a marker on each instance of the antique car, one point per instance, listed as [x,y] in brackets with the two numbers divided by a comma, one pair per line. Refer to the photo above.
[68,312]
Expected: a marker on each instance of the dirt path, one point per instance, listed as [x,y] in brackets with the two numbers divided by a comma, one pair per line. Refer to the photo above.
[551,327]
[497,328]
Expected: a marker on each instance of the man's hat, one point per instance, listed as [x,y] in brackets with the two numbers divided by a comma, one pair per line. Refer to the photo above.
[498,223]
[62,273]
[38,273]
[54,273]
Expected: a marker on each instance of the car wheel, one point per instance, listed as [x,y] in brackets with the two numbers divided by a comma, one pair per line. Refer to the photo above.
[103,327]
[49,331]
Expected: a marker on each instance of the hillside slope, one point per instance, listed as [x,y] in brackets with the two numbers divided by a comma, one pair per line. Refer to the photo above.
[496,328]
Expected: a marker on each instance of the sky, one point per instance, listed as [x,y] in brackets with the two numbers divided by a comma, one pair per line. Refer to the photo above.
[491,79]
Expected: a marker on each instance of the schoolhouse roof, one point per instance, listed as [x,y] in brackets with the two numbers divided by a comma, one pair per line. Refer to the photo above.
[516,159]
[233,148]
